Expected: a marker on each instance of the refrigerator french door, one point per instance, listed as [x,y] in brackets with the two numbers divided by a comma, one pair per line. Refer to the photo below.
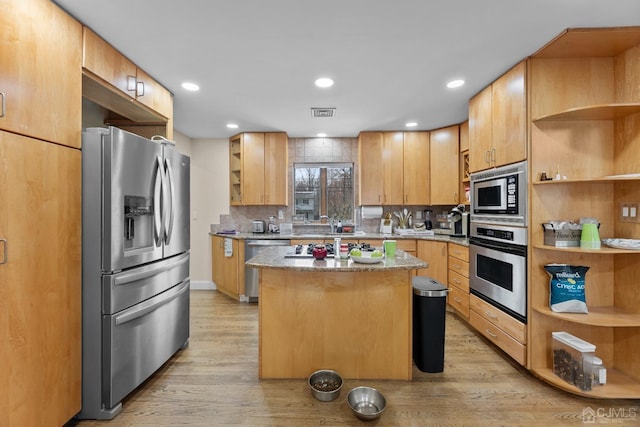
[135,278]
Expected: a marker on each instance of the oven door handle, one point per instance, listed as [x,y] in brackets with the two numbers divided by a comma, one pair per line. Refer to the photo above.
[512,249]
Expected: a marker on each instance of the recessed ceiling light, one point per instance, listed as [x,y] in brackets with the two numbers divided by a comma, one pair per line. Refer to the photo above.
[411,124]
[455,83]
[232,126]
[322,135]
[324,82]
[190,86]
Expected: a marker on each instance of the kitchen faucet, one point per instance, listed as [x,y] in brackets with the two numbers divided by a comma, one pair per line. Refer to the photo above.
[330,221]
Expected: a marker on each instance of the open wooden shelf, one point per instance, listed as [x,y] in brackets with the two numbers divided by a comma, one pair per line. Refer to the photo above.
[593,112]
[610,178]
[618,386]
[598,316]
[603,250]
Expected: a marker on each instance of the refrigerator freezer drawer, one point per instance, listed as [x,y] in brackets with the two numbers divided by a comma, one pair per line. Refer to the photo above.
[128,288]
[139,340]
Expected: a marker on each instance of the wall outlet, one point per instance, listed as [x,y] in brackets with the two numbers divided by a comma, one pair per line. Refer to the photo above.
[280,214]
[628,212]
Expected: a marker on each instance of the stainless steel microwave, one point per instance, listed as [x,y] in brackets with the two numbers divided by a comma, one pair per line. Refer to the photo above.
[499,196]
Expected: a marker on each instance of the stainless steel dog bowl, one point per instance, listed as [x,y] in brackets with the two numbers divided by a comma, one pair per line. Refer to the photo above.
[325,384]
[366,403]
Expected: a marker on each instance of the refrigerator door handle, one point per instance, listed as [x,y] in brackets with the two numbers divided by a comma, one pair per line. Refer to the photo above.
[149,271]
[147,307]
[157,202]
[168,225]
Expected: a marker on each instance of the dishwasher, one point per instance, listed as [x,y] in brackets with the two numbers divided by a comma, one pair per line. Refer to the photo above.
[251,248]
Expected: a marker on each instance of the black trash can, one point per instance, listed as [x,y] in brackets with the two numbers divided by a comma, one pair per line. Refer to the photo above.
[429,307]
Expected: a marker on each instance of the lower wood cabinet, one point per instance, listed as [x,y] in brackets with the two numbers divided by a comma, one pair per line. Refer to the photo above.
[226,265]
[40,282]
[433,253]
[500,328]
[458,279]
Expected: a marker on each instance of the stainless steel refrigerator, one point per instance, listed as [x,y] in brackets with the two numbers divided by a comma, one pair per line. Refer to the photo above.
[135,263]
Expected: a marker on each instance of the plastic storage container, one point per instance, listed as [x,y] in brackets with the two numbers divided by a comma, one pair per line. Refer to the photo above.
[573,360]
[429,307]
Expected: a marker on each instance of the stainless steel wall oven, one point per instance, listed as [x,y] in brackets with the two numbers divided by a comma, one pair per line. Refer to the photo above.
[498,267]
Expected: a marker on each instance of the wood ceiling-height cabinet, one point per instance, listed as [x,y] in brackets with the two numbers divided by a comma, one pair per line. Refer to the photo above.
[417,172]
[40,214]
[445,149]
[394,168]
[498,121]
[371,176]
[258,167]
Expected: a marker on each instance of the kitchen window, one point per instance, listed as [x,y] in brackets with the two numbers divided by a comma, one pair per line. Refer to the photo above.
[324,189]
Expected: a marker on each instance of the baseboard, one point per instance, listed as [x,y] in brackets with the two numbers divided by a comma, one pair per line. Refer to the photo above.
[202,285]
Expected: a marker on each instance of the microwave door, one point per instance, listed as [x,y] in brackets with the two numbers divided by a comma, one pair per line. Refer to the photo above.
[130,206]
[176,221]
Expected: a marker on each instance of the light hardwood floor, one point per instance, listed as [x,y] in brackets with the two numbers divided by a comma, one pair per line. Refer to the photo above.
[214,382]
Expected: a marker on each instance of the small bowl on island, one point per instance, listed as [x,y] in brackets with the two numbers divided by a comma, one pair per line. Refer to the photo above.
[319,252]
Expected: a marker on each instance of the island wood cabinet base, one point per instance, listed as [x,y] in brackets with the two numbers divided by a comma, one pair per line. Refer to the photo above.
[357,323]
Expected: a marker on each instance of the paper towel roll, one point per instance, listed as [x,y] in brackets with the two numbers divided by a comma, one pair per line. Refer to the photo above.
[369,212]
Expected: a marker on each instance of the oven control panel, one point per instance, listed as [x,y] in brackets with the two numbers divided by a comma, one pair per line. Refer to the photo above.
[499,233]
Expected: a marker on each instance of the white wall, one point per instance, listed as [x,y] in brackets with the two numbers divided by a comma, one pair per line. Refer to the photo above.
[209,199]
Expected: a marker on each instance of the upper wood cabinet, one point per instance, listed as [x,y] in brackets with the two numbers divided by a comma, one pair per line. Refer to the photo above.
[497,122]
[153,94]
[111,80]
[371,177]
[101,59]
[258,166]
[276,168]
[40,81]
[394,168]
[444,147]
[416,179]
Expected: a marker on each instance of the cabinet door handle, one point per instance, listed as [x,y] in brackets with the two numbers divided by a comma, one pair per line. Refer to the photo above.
[131,83]
[493,156]
[491,315]
[140,89]
[2,109]
[491,334]
[487,157]
[458,300]
[456,281]
[444,251]
[4,251]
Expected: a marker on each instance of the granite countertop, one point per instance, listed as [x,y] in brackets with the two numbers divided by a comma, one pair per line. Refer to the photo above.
[464,241]
[274,257]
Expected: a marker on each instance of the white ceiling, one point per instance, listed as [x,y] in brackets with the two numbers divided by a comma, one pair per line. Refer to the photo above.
[256,60]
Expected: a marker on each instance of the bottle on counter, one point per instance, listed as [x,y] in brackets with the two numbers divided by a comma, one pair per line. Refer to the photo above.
[344,251]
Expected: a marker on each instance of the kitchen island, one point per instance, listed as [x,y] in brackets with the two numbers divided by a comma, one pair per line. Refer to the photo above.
[332,314]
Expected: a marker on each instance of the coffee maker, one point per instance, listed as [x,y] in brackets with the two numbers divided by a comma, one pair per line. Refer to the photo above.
[459,220]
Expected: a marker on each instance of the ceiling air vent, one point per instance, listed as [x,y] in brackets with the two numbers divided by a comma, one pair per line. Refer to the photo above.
[322,112]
